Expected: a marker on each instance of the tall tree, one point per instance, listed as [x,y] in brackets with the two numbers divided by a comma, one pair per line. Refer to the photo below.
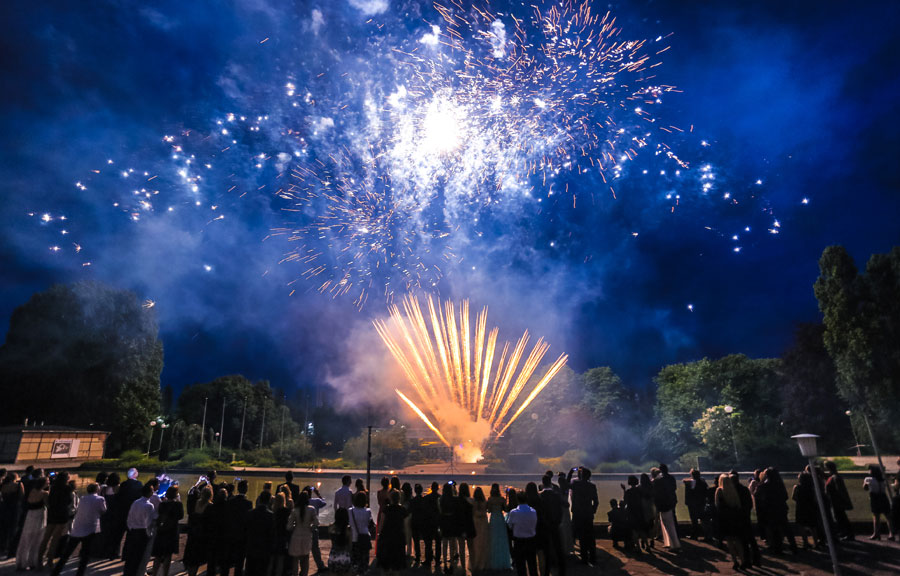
[862,333]
[83,355]
[809,389]
[688,392]
[232,392]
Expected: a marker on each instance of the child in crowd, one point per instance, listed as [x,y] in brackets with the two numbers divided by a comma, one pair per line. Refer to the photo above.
[618,524]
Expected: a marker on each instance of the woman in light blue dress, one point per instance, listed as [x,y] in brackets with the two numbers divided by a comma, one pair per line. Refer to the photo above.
[498,558]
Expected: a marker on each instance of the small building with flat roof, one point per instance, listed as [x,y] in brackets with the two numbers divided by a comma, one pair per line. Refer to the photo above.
[46,445]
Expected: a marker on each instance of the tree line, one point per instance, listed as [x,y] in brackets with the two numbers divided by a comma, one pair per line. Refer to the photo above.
[89,355]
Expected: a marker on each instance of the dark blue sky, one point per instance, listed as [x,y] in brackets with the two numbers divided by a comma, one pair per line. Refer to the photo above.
[802,97]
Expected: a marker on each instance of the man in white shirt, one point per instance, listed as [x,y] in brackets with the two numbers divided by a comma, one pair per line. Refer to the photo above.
[343,496]
[522,521]
[141,517]
[85,525]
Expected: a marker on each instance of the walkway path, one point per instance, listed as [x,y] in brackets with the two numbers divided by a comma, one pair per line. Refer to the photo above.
[859,558]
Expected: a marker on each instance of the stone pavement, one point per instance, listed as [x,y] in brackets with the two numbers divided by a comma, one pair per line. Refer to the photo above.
[859,558]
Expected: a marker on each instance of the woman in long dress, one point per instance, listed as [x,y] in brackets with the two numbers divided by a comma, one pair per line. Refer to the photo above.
[406,496]
[302,521]
[481,543]
[391,549]
[27,554]
[339,560]
[498,558]
[165,545]
[196,547]
[730,513]
[282,511]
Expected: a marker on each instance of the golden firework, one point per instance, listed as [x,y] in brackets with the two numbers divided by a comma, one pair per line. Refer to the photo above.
[448,366]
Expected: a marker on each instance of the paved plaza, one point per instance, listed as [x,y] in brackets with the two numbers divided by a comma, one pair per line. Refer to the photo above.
[861,557]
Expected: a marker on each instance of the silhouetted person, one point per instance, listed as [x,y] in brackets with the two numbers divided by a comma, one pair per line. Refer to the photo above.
[260,536]
[466,521]
[343,496]
[289,482]
[432,533]
[840,500]
[665,495]
[522,521]
[551,517]
[639,516]
[60,509]
[731,519]
[751,548]
[806,512]
[584,507]
[237,515]
[139,522]
[391,546]
[451,527]
[771,498]
[618,524]
[879,503]
[129,491]
[418,525]
[361,532]
[695,489]
[85,527]
[166,543]
[318,503]
[12,494]
[339,557]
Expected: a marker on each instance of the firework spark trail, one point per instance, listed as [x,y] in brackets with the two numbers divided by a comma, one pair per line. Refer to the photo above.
[438,364]
[386,175]
[561,93]
[476,114]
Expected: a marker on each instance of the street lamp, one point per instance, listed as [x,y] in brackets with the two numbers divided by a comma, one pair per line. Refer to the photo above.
[729,409]
[853,430]
[150,439]
[162,431]
[809,450]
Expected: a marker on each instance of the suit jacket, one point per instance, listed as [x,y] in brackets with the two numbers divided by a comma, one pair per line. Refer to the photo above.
[237,511]
[584,499]
[260,532]
[552,508]
[129,491]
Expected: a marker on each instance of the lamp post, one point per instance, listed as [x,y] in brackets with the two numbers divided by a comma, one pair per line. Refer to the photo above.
[890,490]
[369,461]
[729,409]
[150,439]
[809,449]
[162,430]
[222,429]
[203,425]
[243,420]
[853,430]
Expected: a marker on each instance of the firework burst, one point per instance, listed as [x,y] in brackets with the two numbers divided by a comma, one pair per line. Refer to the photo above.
[457,385]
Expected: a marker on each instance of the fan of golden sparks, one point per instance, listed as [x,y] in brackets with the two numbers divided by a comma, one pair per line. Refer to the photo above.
[446,366]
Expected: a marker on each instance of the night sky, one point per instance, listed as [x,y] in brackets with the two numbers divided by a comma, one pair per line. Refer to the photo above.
[791,107]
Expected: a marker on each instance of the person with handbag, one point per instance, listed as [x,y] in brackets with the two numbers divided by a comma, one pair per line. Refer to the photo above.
[362,527]
[302,523]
